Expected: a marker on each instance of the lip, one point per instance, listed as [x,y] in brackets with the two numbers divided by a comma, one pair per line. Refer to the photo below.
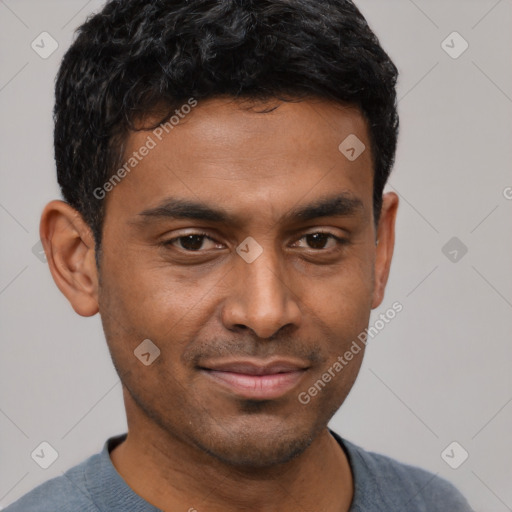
[257,380]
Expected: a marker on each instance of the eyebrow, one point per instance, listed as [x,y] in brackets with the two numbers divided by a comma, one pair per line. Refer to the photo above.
[340,205]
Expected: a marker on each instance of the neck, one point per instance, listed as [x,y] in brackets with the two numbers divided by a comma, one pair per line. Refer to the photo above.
[174,475]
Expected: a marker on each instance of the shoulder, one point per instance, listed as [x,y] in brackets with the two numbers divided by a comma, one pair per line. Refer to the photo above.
[65,493]
[384,483]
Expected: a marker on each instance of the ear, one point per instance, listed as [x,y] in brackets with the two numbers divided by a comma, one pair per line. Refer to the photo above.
[385,246]
[69,246]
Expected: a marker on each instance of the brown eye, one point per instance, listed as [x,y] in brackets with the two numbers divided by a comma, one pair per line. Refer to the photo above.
[193,242]
[320,240]
[317,240]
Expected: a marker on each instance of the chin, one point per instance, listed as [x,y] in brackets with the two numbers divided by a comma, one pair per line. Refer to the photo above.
[254,444]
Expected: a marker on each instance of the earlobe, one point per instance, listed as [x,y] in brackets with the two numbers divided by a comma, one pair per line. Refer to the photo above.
[69,246]
[385,243]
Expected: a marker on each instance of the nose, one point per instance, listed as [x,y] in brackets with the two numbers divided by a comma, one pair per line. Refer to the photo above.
[260,296]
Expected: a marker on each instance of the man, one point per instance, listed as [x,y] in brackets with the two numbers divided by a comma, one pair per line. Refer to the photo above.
[223,166]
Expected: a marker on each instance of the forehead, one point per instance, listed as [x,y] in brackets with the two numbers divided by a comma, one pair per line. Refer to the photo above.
[227,152]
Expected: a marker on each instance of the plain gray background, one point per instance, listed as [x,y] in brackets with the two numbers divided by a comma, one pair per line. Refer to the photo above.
[439,372]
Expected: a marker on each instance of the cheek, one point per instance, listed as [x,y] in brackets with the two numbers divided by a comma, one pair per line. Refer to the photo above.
[343,301]
[152,296]
[133,312]
[157,303]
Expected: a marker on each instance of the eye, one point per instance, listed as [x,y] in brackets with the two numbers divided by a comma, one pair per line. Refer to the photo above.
[319,240]
[195,242]
[191,242]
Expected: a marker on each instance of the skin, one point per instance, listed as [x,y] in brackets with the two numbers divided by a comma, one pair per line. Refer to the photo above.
[192,444]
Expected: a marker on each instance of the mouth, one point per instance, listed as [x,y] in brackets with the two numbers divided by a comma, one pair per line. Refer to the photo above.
[256,379]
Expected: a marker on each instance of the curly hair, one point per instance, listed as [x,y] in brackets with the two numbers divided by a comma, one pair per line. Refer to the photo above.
[140,57]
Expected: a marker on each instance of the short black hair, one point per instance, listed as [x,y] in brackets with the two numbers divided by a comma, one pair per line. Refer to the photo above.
[135,56]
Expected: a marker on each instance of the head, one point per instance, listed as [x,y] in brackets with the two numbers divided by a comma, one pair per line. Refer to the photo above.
[229,120]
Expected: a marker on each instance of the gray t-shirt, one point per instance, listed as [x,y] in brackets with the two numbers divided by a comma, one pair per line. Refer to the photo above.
[381,484]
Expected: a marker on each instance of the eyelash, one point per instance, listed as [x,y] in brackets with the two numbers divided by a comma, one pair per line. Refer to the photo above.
[340,241]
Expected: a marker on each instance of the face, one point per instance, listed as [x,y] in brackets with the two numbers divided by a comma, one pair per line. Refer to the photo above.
[243,246]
